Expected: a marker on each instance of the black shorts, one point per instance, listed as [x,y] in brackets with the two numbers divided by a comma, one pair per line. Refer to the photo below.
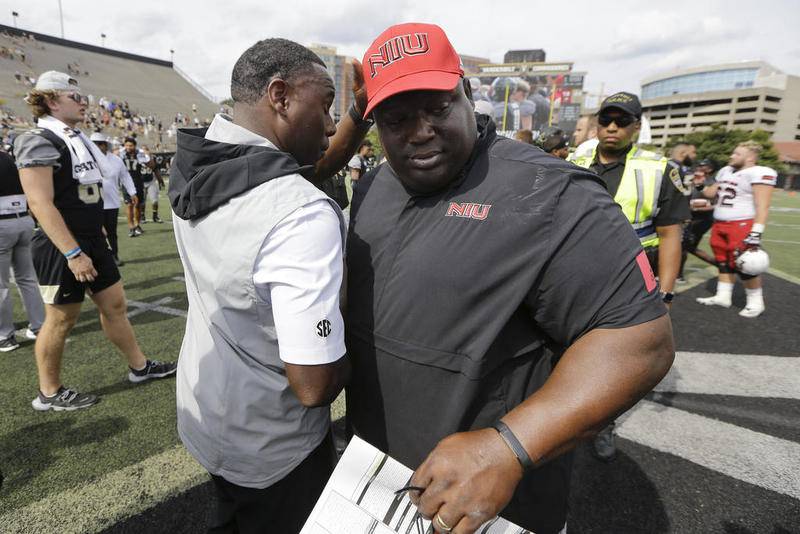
[57,284]
[139,193]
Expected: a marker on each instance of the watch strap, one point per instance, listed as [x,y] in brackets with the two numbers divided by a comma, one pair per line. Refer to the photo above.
[515,445]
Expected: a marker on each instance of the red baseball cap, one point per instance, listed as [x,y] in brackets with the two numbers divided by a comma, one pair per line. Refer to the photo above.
[409,57]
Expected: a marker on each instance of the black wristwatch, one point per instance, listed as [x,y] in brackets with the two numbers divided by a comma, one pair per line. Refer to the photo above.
[357,118]
[667,297]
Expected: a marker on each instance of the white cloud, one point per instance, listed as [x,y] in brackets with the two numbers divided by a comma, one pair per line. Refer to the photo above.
[617,43]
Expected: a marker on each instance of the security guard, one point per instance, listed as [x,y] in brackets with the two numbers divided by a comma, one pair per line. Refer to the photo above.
[650,192]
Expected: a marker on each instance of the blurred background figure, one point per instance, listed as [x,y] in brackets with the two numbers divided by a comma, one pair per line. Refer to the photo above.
[511,109]
[554,141]
[526,136]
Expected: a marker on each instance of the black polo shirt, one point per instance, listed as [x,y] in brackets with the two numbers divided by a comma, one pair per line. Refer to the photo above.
[673,203]
[461,302]
[9,176]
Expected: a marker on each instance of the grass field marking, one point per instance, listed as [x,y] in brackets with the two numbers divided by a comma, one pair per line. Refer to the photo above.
[179,278]
[142,307]
[781,225]
[111,498]
[781,241]
[696,278]
[157,307]
[781,209]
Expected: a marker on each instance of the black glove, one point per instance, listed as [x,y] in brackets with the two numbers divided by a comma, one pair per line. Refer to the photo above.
[753,240]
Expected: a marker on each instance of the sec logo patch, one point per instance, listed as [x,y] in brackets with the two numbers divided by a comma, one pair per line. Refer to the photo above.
[324,328]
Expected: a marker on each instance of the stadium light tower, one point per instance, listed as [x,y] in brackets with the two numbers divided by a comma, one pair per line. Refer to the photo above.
[171,55]
[103,39]
[61,18]
[14,15]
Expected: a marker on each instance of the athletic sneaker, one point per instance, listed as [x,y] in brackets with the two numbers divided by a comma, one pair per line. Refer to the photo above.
[132,233]
[714,301]
[153,369]
[138,230]
[157,219]
[9,344]
[31,333]
[65,399]
[143,220]
[752,311]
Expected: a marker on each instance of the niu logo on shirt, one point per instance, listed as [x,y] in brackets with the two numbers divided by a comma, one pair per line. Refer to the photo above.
[398,48]
[647,272]
[324,328]
[468,210]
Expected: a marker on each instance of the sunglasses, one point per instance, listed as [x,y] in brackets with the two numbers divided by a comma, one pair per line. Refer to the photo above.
[622,121]
[77,97]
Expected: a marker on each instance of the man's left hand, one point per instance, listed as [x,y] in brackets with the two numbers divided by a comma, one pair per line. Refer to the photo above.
[753,240]
[468,479]
[359,89]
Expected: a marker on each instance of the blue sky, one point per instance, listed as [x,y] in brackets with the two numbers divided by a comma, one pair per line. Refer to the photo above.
[617,43]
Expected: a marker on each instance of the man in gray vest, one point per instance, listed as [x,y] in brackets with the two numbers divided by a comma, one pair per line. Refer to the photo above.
[499,309]
[263,355]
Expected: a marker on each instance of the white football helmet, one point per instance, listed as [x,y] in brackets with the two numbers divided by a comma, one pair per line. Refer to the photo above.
[753,261]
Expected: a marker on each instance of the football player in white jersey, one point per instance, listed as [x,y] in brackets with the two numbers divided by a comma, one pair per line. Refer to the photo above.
[743,191]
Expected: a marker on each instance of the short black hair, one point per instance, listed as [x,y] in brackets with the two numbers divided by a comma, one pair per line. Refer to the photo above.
[365,142]
[129,140]
[265,60]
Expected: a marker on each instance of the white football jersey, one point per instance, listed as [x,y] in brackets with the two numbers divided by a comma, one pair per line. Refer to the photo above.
[735,194]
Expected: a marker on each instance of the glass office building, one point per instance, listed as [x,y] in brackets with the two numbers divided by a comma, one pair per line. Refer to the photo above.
[701,82]
[747,95]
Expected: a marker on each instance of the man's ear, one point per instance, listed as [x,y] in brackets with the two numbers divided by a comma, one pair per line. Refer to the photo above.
[467,89]
[277,95]
[51,103]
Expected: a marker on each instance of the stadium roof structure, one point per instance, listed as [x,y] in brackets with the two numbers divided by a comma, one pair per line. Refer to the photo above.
[150,86]
[44,38]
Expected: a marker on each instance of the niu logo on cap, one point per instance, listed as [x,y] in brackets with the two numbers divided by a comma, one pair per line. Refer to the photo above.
[398,48]
[468,210]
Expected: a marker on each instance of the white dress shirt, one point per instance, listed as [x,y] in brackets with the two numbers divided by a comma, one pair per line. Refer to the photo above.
[299,268]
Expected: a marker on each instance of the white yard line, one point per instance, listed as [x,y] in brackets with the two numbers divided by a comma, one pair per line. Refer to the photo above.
[733,374]
[142,307]
[740,453]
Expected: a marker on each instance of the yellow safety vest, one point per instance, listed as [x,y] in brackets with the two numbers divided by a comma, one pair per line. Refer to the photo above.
[638,190]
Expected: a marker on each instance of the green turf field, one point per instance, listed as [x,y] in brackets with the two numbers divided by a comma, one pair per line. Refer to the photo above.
[121,457]
[781,239]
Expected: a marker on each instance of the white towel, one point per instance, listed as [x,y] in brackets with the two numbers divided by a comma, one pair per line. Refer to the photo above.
[88,163]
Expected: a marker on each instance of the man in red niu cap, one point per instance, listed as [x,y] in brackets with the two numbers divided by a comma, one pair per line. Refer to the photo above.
[475,264]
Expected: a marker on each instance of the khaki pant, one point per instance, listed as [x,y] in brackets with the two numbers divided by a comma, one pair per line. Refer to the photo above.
[15,254]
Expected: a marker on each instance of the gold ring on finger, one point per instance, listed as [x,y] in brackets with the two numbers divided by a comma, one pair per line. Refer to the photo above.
[442,524]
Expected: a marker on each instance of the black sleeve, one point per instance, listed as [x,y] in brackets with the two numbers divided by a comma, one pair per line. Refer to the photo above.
[597,275]
[673,202]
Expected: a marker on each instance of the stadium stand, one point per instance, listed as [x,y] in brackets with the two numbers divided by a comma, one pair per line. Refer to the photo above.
[151,87]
